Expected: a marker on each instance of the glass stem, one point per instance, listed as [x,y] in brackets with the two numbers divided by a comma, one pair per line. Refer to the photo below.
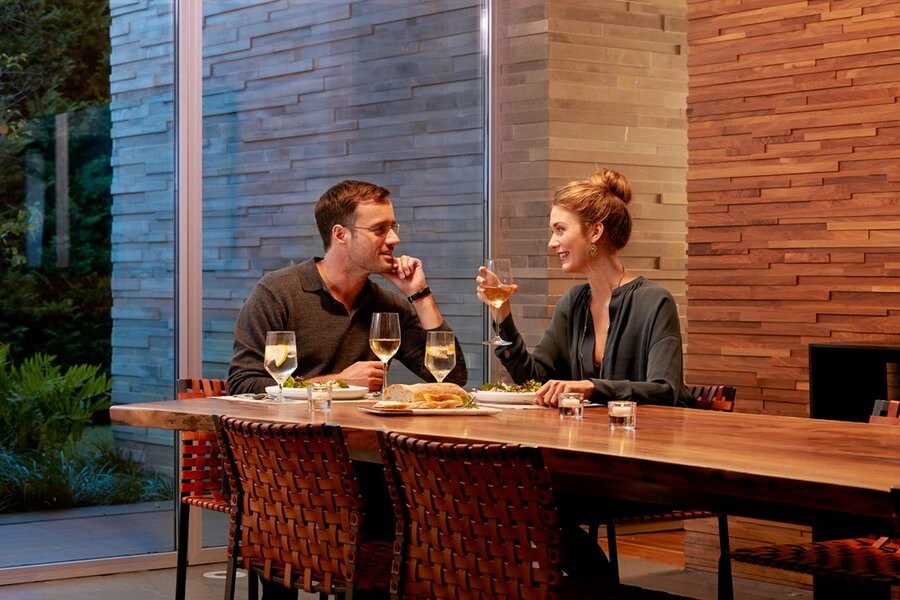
[384,381]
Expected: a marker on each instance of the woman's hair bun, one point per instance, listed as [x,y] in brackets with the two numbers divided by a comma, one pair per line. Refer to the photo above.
[613,182]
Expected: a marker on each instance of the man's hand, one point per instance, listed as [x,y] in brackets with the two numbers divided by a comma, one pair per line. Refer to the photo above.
[408,275]
[547,395]
[368,374]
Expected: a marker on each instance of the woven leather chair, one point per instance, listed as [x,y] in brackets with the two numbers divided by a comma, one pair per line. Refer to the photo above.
[202,475]
[298,509]
[709,397]
[478,521]
[857,561]
[473,520]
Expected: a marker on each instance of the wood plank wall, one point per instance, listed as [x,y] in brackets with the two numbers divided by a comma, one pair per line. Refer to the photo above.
[793,202]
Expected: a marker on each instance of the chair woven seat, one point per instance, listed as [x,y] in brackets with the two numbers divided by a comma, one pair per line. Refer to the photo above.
[663,516]
[851,560]
[858,561]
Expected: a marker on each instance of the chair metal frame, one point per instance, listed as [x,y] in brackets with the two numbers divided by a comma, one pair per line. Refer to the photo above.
[708,397]
[202,479]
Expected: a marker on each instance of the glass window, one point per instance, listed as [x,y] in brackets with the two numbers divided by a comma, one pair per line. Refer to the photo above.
[86,118]
[302,95]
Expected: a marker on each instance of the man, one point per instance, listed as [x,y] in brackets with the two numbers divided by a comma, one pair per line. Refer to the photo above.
[329,303]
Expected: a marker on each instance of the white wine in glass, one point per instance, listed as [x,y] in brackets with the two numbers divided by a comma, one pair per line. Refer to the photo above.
[440,353]
[497,288]
[281,357]
[384,339]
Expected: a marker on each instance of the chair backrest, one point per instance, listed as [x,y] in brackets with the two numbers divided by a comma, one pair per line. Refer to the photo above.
[714,397]
[201,388]
[297,504]
[473,520]
[891,414]
[202,472]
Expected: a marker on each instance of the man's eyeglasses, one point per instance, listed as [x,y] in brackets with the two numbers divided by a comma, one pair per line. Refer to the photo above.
[378,230]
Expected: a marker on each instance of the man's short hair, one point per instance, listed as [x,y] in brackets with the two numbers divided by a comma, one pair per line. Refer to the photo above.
[337,206]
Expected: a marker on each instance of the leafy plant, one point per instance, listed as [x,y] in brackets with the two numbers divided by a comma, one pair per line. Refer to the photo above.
[83,477]
[44,409]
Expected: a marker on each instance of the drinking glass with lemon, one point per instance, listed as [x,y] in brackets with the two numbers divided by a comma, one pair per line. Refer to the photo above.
[440,353]
[280,357]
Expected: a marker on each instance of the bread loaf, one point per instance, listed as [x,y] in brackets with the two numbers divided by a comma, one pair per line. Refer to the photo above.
[423,395]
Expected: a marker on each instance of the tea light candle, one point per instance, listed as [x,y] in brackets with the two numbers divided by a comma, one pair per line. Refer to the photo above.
[620,411]
[567,401]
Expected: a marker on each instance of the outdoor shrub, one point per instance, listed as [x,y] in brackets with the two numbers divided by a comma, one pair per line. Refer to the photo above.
[42,408]
[75,477]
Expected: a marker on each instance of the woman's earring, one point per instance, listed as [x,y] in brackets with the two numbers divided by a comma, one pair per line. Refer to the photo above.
[593,250]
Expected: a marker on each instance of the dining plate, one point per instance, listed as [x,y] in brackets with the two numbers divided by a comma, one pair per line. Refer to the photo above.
[497,397]
[353,392]
[431,412]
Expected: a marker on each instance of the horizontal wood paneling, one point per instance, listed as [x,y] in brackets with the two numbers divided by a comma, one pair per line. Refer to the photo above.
[793,204]
[793,214]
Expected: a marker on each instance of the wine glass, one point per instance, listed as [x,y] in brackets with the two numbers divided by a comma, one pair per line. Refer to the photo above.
[440,353]
[497,288]
[281,357]
[384,338]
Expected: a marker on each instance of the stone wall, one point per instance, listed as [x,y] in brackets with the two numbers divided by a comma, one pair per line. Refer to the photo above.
[581,85]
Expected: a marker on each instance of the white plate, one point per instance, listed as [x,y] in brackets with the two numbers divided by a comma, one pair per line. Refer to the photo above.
[498,397]
[431,412]
[353,392]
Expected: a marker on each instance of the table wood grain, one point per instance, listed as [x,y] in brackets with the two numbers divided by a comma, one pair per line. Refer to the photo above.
[785,468]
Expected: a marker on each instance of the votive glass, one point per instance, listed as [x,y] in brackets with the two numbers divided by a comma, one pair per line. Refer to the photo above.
[621,414]
[319,401]
[571,406]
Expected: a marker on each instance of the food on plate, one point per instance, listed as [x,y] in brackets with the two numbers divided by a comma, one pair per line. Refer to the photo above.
[292,382]
[529,386]
[424,395]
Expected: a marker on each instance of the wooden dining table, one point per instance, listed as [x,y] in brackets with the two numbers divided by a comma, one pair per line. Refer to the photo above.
[799,470]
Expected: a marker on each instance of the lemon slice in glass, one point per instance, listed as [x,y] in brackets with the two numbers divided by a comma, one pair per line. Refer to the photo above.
[440,351]
[279,354]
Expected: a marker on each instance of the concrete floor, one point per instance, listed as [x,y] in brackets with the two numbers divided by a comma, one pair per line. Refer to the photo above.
[205,583]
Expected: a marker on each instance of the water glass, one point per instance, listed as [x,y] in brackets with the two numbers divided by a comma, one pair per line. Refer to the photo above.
[621,414]
[319,401]
[571,406]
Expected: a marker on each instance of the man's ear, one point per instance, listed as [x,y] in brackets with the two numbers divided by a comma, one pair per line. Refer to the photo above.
[339,234]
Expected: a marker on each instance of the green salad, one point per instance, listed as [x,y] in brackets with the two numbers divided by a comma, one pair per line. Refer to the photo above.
[292,382]
[529,386]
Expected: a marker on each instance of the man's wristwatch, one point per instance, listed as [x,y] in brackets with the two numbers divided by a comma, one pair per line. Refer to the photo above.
[424,292]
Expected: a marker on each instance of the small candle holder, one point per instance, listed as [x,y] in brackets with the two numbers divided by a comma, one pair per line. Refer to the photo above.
[621,414]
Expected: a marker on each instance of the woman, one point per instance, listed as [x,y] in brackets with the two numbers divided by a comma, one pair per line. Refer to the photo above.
[616,336]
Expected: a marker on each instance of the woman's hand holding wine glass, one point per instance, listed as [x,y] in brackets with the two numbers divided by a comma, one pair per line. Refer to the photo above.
[280,358]
[384,339]
[440,353]
[495,286]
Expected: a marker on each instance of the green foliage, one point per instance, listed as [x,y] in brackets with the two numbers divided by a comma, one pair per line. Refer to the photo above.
[12,238]
[41,311]
[12,125]
[62,51]
[44,409]
[45,462]
[80,477]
